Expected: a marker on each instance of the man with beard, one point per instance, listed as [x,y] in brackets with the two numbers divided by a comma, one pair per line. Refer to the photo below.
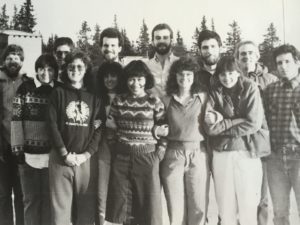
[247,55]
[10,79]
[62,47]
[209,43]
[159,65]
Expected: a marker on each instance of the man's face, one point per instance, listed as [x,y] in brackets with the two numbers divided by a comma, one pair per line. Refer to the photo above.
[287,66]
[210,51]
[60,54]
[13,64]
[162,41]
[248,56]
[110,49]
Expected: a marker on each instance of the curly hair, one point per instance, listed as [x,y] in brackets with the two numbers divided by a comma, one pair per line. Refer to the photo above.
[103,71]
[15,50]
[138,68]
[87,79]
[184,63]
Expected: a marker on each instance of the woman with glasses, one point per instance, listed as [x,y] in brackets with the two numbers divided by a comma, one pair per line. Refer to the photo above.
[73,110]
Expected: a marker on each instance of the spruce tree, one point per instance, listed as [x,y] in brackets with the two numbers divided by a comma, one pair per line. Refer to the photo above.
[143,43]
[25,20]
[203,24]
[179,47]
[233,37]
[194,48]
[84,38]
[4,18]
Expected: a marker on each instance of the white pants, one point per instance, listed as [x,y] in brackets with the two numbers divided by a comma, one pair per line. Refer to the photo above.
[237,179]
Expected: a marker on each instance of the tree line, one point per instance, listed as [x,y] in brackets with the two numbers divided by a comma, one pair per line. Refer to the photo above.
[23,19]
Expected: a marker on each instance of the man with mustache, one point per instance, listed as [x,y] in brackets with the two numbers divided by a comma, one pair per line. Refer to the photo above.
[159,65]
[209,44]
[111,42]
[10,79]
[247,55]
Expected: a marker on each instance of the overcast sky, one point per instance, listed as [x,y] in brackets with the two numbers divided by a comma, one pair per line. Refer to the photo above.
[64,17]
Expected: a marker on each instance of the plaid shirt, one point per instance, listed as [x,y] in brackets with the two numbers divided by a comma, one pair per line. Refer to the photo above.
[282,100]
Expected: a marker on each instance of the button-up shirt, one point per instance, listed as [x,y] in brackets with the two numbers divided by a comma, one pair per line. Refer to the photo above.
[160,73]
[282,100]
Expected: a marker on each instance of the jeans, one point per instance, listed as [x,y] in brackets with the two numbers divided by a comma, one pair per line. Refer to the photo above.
[262,209]
[185,179]
[283,175]
[35,186]
[10,182]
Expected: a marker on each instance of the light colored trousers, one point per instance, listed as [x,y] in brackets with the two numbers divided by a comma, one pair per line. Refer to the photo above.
[185,179]
[237,179]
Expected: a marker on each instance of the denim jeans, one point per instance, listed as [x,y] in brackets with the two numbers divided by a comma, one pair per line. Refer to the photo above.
[35,186]
[185,179]
[283,175]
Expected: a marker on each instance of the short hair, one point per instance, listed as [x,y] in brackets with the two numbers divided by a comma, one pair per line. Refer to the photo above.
[226,63]
[15,50]
[87,79]
[110,68]
[284,49]
[206,35]
[63,41]
[242,43]
[111,33]
[137,68]
[183,63]
[162,26]
[46,60]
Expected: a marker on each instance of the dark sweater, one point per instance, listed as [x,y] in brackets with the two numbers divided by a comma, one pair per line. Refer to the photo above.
[72,113]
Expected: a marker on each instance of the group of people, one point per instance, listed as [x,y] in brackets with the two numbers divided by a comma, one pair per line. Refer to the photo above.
[83,145]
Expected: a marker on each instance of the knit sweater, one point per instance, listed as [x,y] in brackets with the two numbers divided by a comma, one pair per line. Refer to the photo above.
[29,131]
[135,119]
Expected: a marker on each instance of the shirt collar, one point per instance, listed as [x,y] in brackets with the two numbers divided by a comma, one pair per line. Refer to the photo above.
[293,83]
[196,95]
[38,83]
[170,55]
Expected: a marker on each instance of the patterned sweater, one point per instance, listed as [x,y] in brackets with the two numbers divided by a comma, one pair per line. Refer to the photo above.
[135,119]
[29,132]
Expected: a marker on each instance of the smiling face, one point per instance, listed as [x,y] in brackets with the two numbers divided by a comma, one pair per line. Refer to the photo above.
[111,82]
[162,41]
[210,51]
[287,66]
[45,74]
[13,64]
[111,48]
[185,79]
[76,71]
[136,85]
[229,78]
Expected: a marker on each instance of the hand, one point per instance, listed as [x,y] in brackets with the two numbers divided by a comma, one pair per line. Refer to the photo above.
[210,118]
[97,124]
[161,150]
[162,130]
[81,158]
[70,159]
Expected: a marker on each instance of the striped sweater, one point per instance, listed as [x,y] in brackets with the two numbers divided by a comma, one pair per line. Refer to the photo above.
[135,119]
[29,131]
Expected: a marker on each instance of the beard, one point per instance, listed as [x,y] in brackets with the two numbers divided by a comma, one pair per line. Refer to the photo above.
[211,60]
[13,69]
[162,48]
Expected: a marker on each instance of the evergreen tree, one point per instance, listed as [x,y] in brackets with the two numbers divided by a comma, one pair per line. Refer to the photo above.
[95,50]
[4,18]
[49,47]
[115,23]
[194,48]
[213,24]
[203,24]
[143,43]
[84,38]
[14,22]
[179,47]
[271,41]
[127,46]
[96,36]
[25,18]
[233,37]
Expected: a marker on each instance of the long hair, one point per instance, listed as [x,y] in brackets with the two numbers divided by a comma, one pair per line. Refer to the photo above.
[103,71]
[184,63]
[87,79]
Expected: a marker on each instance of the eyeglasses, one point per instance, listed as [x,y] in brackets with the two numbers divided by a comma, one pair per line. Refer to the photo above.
[61,53]
[74,67]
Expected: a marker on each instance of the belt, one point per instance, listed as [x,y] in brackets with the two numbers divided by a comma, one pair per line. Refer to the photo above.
[288,149]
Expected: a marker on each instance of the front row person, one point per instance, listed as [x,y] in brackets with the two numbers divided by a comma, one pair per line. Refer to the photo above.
[73,110]
[30,139]
[234,110]
[134,194]
[184,170]
[282,101]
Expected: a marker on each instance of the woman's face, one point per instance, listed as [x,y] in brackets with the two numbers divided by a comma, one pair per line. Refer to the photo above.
[111,82]
[45,74]
[229,78]
[136,85]
[185,79]
[76,71]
